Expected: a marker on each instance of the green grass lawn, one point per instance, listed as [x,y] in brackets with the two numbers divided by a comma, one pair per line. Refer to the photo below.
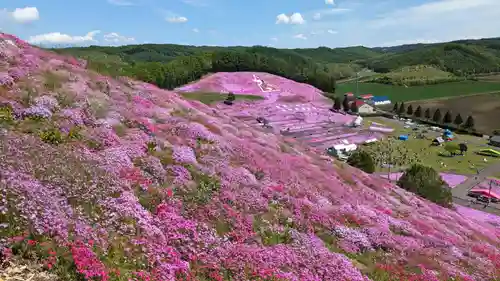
[401,93]
[209,98]
[430,155]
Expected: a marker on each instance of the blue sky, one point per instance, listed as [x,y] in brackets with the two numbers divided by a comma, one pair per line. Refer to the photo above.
[278,23]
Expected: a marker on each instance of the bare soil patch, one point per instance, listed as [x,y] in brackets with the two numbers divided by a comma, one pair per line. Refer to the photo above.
[484,108]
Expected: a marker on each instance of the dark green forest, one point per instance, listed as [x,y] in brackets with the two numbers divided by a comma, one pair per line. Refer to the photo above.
[170,66]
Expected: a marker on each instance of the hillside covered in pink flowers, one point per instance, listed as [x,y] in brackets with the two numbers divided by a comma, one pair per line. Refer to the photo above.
[104,179]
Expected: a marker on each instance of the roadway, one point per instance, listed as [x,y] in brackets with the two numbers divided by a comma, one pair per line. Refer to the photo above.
[460,191]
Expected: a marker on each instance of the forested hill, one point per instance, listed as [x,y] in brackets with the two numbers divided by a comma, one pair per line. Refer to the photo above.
[170,66]
[463,57]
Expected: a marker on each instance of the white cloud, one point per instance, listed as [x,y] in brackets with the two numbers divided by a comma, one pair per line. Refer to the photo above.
[116,38]
[282,18]
[196,30]
[334,11]
[295,18]
[120,2]
[386,23]
[319,32]
[300,36]
[25,15]
[61,38]
[432,11]
[324,14]
[177,19]
[274,39]
[330,2]
[438,20]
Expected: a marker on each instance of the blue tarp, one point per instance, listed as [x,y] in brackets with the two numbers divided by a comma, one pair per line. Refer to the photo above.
[379,98]
[403,137]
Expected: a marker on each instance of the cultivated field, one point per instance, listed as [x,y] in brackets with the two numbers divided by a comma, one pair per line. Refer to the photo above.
[484,108]
[401,93]
[490,78]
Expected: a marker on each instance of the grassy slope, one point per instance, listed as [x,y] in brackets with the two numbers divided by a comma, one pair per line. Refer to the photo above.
[209,98]
[401,93]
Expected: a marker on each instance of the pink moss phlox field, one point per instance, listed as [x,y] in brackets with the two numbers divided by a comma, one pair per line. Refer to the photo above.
[451,179]
[116,179]
[243,83]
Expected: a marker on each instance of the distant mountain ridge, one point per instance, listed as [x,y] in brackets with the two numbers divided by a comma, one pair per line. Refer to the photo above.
[151,62]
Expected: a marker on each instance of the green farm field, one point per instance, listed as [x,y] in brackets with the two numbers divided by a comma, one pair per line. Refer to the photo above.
[401,93]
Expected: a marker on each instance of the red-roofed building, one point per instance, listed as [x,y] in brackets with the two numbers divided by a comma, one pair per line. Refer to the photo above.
[359,103]
[366,97]
[363,107]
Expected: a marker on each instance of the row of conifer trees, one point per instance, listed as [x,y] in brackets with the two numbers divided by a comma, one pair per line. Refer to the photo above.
[437,117]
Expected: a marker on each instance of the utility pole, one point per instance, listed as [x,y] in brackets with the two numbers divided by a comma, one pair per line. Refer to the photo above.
[357,84]
[491,184]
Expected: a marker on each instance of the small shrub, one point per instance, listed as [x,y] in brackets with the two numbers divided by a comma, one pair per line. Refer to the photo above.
[270,235]
[362,160]
[150,198]
[271,238]
[120,130]
[165,156]
[99,110]
[94,144]
[453,148]
[27,97]
[206,186]
[65,98]
[52,136]
[151,147]
[32,125]
[427,183]
[6,116]
[223,227]
[259,175]
[74,133]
